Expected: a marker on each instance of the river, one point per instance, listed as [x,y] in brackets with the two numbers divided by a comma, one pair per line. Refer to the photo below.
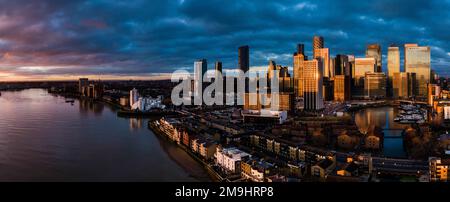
[43,138]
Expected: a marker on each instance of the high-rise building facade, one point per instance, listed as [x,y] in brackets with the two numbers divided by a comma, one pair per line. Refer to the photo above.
[400,85]
[324,55]
[318,43]
[417,60]
[341,65]
[134,96]
[300,49]
[298,74]
[200,68]
[341,88]
[285,80]
[374,51]
[313,78]
[244,58]
[393,65]
[375,85]
[363,65]
[433,93]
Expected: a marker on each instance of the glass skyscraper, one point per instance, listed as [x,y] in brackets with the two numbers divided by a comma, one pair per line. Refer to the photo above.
[417,60]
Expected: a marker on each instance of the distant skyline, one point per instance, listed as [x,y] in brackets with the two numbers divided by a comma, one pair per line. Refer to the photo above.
[138,39]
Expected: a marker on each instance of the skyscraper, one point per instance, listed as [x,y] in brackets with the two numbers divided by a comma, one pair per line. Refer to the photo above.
[341,88]
[301,49]
[341,65]
[218,68]
[417,60]
[298,74]
[200,68]
[393,65]
[285,80]
[362,65]
[323,54]
[313,78]
[374,51]
[400,85]
[375,85]
[244,61]
[318,43]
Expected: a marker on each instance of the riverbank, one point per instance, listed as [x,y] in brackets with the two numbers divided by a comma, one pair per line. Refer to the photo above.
[149,114]
[216,177]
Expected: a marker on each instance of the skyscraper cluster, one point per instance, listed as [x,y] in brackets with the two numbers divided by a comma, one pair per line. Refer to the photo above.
[345,77]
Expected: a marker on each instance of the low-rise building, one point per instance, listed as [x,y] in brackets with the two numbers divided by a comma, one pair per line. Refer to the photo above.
[255,170]
[171,128]
[229,159]
[207,149]
[439,169]
[324,167]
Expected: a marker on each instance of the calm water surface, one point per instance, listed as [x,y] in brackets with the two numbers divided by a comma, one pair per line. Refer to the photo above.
[43,138]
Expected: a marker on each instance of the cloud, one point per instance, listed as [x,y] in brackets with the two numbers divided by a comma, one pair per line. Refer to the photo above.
[305,5]
[143,37]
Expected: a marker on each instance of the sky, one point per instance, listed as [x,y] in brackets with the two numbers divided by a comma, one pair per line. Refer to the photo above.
[141,39]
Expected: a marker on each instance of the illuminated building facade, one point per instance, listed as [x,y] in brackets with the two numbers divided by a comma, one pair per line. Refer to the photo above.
[417,60]
[375,85]
[374,51]
[312,95]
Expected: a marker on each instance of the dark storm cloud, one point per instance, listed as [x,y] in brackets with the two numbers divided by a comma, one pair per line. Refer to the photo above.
[132,37]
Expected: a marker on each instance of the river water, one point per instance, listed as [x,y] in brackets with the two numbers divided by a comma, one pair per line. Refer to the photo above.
[43,138]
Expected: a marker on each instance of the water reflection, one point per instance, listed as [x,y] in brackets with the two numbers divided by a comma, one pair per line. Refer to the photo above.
[135,123]
[43,138]
[369,119]
[87,106]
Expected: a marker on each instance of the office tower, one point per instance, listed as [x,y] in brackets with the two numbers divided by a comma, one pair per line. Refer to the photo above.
[341,88]
[313,78]
[433,77]
[301,49]
[318,43]
[412,84]
[417,60]
[332,67]
[298,74]
[273,67]
[393,65]
[134,96]
[439,169]
[433,93]
[400,85]
[327,89]
[200,68]
[324,55]
[218,68]
[285,80]
[375,85]
[351,61]
[362,65]
[342,65]
[83,82]
[244,61]
[374,51]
